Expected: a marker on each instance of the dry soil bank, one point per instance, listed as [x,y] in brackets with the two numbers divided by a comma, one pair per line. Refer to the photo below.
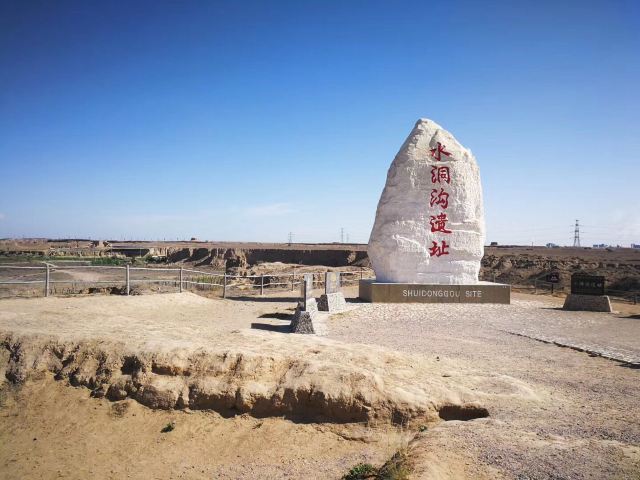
[554,412]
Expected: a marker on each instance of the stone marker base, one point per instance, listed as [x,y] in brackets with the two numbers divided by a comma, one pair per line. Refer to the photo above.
[588,303]
[312,305]
[332,302]
[481,292]
[308,322]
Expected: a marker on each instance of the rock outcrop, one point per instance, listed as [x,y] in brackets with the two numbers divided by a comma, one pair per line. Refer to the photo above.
[429,225]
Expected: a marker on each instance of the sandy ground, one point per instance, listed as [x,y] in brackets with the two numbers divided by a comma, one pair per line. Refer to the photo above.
[50,430]
[568,414]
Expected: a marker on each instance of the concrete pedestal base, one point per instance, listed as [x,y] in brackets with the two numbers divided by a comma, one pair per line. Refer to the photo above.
[587,303]
[332,302]
[481,292]
[312,305]
[308,322]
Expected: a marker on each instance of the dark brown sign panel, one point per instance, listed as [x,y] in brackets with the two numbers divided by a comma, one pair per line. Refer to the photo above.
[553,277]
[582,284]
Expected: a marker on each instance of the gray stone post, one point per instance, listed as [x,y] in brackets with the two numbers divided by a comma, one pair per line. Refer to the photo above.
[128,281]
[224,286]
[261,285]
[46,282]
[181,278]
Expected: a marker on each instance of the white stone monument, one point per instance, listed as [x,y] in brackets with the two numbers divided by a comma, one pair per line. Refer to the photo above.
[429,227]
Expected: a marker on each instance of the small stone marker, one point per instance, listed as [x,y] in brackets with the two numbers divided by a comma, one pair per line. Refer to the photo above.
[587,294]
[307,301]
[582,284]
[333,299]
[306,319]
[331,282]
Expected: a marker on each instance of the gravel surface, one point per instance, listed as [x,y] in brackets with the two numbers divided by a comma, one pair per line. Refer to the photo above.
[582,418]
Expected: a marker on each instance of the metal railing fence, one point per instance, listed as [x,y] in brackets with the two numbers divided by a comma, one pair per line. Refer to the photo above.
[123,278]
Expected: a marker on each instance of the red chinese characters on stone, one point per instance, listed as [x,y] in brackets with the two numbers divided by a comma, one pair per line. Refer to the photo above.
[437,152]
[440,174]
[438,250]
[439,223]
[439,198]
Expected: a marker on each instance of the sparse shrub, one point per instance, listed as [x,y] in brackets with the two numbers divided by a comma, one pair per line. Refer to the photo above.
[168,427]
[107,261]
[396,468]
[361,471]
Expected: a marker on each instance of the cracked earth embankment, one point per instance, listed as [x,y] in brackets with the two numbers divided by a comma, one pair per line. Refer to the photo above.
[264,375]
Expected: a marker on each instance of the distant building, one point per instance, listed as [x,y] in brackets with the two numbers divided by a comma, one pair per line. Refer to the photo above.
[600,245]
[635,245]
[551,245]
[493,244]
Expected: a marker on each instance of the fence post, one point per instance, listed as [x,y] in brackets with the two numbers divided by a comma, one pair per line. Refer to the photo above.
[46,282]
[552,289]
[293,280]
[224,286]
[535,287]
[361,270]
[128,277]
[635,299]
[261,285]
[181,274]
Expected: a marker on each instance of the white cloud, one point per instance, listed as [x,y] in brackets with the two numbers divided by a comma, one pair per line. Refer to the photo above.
[270,210]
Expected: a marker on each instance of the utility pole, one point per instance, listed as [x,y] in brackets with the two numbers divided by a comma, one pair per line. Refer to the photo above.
[290,238]
[576,234]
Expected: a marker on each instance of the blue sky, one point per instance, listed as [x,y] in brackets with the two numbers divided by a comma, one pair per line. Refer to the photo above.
[249,120]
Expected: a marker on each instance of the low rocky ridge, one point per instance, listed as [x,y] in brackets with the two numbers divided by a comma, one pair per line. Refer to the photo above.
[243,258]
[256,373]
[525,268]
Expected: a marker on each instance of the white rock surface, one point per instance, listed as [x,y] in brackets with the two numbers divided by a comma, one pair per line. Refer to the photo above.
[401,242]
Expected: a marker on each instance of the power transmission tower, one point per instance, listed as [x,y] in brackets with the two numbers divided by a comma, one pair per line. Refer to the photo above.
[576,234]
[290,238]
[342,235]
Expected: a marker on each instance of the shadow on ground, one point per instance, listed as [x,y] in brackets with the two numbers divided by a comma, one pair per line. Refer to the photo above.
[276,315]
[250,298]
[272,328]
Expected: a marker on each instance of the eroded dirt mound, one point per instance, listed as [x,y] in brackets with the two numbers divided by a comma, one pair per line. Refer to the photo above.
[260,374]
